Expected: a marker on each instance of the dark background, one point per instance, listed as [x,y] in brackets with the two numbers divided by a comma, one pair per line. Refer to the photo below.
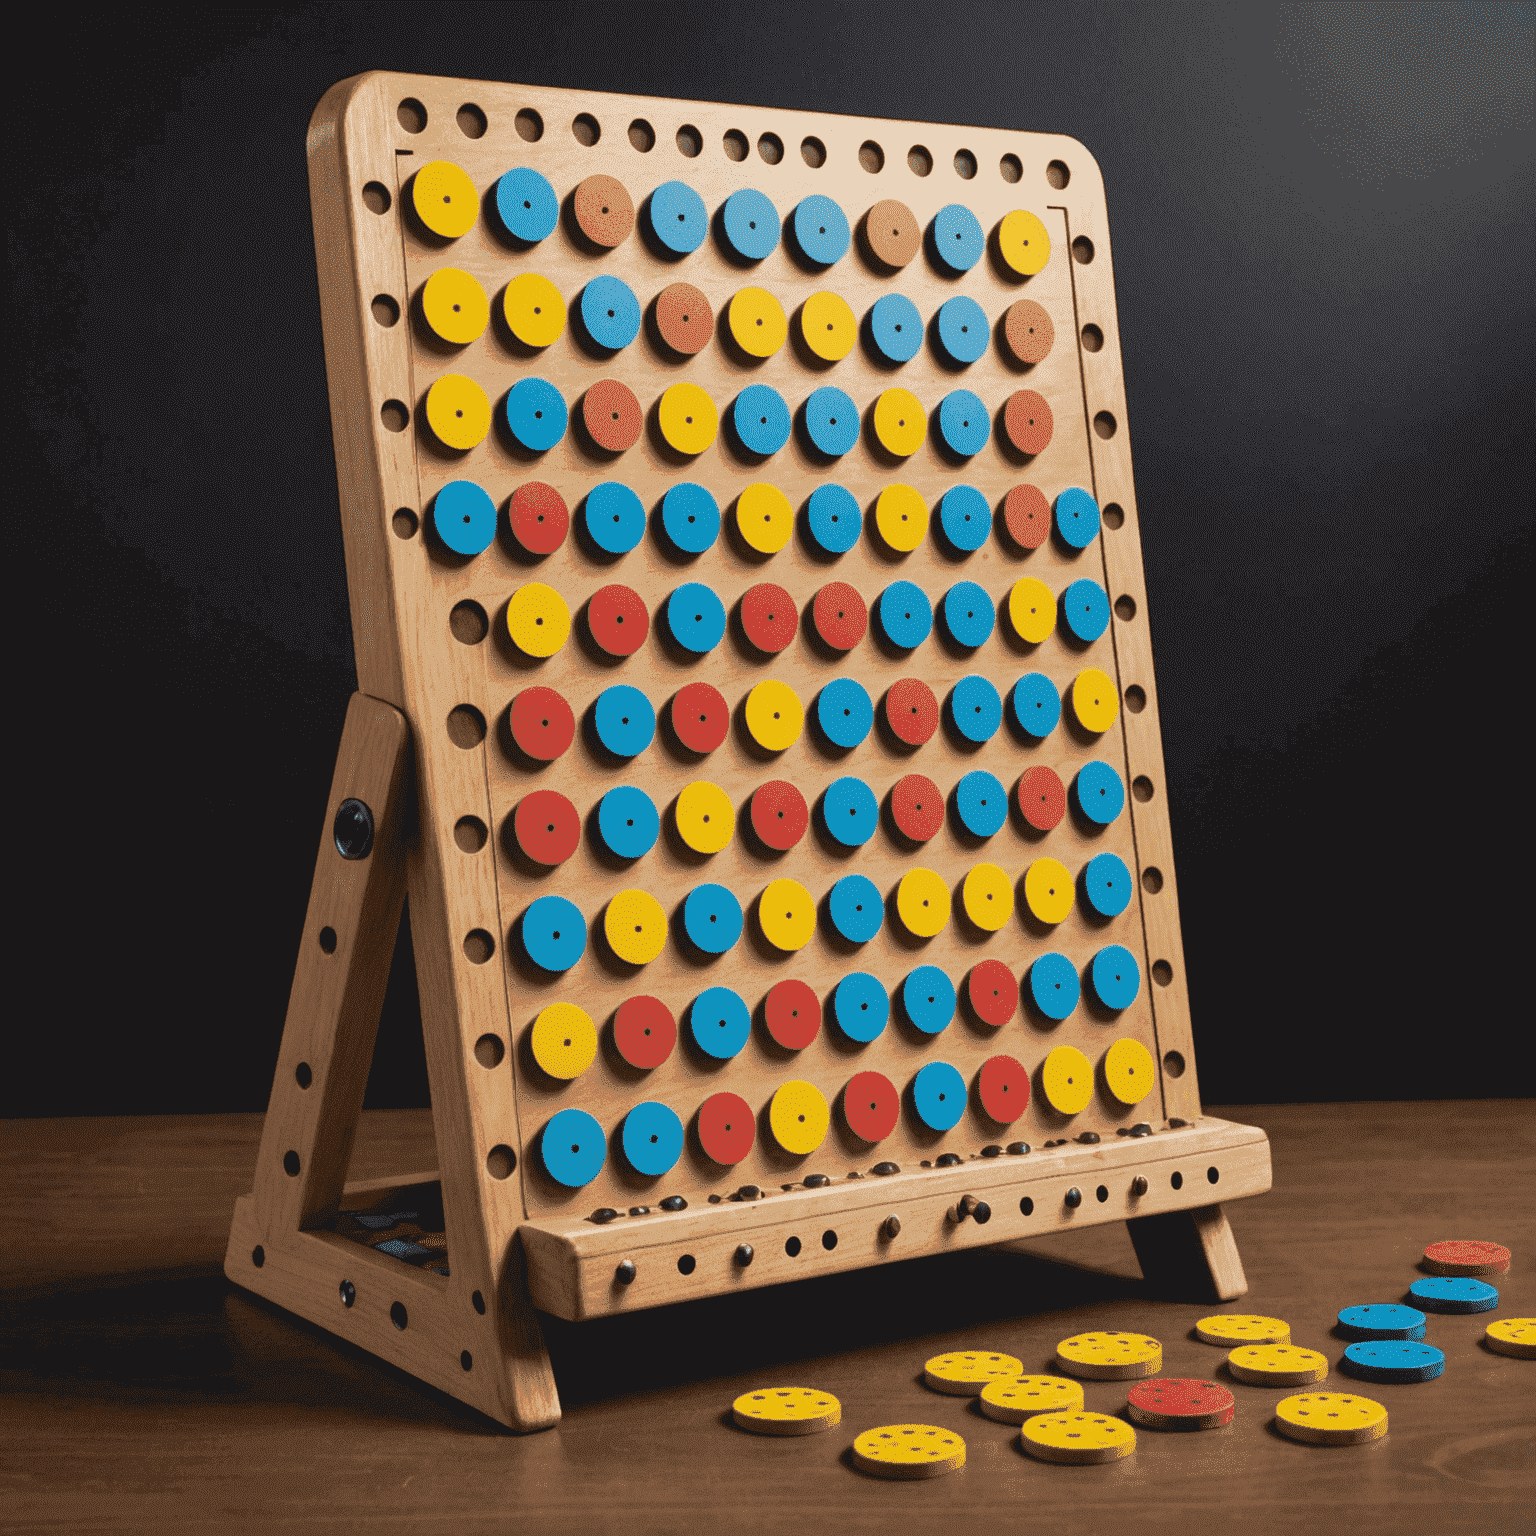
[1323,222]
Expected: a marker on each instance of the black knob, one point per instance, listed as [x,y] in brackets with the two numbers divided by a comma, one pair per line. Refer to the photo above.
[947,1160]
[886,1169]
[744,1255]
[625,1273]
[749,1192]
[1074,1197]
[603,1213]
[817,1180]
[1017,1148]
[1139,1184]
[674,1203]
[353,830]
[992,1151]
[981,1212]
[890,1227]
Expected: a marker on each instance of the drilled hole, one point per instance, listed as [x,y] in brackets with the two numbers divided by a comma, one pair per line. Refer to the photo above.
[1141,787]
[1125,606]
[291,1164]
[1114,515]
[735,142]
[479,946]
[1010,168]
[466,726]
[642,136]
[376,198]
[689,140]
[1082,249]
[398,1316]
[302,1074]
[871,157]
[1173,1063]
[829,1240]
[1101,1194]
[258,1255]
[328,940]
[1162,974]
[412,115]
[1093,338]
[471,121]
[919,161]
[500,1161]
[385,310]
[394,415]
[470,833]
[813,152]
[1213,1175]
[585,129]
[1177,1180]
[771,147]
[348,1293]
[1151,880]
[965,163]
[1135,698]
[686,1264]
[468,623]
[1104,424]
[489,1050]
[405,523]
[529,125]
[466,1360]
[792,1247]
[1026,1206]
[477,1301]
[1057,174]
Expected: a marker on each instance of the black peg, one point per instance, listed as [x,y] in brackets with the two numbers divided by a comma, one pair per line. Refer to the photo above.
[744,1254]
[1074,1197]
[625,1273]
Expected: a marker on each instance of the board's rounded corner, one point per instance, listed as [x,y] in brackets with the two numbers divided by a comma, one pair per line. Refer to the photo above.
[340,103]
[1078,158]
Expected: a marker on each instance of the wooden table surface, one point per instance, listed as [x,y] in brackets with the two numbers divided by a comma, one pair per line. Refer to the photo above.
[141,1390]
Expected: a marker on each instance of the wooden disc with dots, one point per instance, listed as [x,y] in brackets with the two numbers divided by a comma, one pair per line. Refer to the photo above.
[1514,1336]
[1277,1365]
[1109,1355]
[1330,1418]
[964,1373]
[787,1411]
[1466,1256]
[908,1451]
[1011,1400]
[1180,1402]
[1232,1328]
[1080,1439]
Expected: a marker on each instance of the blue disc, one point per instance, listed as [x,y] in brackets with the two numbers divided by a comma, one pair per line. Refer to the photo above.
[896,328]
[679,218]
[834,518]
[1381,1320]
[962,328]
[851,811]
[615,517]
[981,803]
[690,517]
[526,205]
[1393,1360]
[968,614]
[761,419]
[821,229]
[1446,1293]
[719,1022]
[856,909]
[611,312]
[965,517]
[1107,883]
[464,516]
[1054,986]
[1085,607]
[831,421]
[938,1096]
[928,997]
[1036,704]
[696,617]
[751,224]
[963,423]
[652,1138]
[627,821]
[957,238]
[845,712]
[624,720]
[1116,977]
[554,933]
[905,614]
[1077,518]
[977,708]
[712,918]
[1100,794]
[860,1006]
[536,414]
[573,1148]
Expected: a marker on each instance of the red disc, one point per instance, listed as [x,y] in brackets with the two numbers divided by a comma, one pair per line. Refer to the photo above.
[618,620]
[1042,798]
[841,616]
[792,1012]
[540,518]
[644,1031]
[700,717]
[1181,1402]
[1028,422]
[1003,1087]
[779,814]
[1027,516]
[546,826]
[871,1105]
[993,991]
[912,711]
[769,618]
[917,807]
[612,415]
[727,1128]
[542,723]
[1466,1256]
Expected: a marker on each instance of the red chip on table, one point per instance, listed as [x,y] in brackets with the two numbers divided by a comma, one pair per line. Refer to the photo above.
[539,517]
[1002,1085]
[779,814]
[1042,798]
[871,1105]
[917,807]
[726,1128]
[542,723]
[644,1031]
[911,711]
[768,616]
[1028,422]
[700,717]
[1180,1402]
[1466,1256]
[546,826]
[792,1012]
[993,992]
[1027,516]
[618,620]
[612,415]
[840,615]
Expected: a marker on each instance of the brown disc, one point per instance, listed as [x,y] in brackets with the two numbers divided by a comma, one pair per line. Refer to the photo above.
[539,517]
[684,318]
[892,233]
[1028,422]
[1028,331]
[1027,516]
[612,415]
[604,210]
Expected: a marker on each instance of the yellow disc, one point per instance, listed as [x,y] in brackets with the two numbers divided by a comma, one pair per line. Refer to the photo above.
[1067,1078]
[1093,699]
[1514,1336]
[922,903]
[1081,1438]
[1231,1328]
[965,1372]
[1330,1418]
[445,199]
[1129,1070]
[1277,1365]
[829,326]
[688,418]
[635,926]
[908,1451]
[1013,1401]
[774,716]
[787,1411]
[458,411]
[564,1040]
[901,516]
[1108,1354]
[987,897]
[1048,890]
[757,322]
[1023,242]
[798,1116]
[1031,609]
[765,517]
[533,308]
[454,304]
[537,619]
[706,819]
[786,913]
[900,422]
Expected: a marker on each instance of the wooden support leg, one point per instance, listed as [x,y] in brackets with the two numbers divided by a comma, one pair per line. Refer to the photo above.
[1189,1255]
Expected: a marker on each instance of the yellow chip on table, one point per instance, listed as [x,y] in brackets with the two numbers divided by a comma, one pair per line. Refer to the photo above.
[1109,1355]
[963,1373]
[786,912]
[687,418]
[1022,1397]
[564,1041]
[787,1411]
[901,518]
[987,897]
[922,903]
[458,411]
[1066,1076]
[764,517]
[1031,609]
[1514,1336]
[756,322]
[908,1451]
[901,423]
[705,817]
[1330,1418]
[1023,243]
[454,305]
[799,1116]
[1048,890]
[537,619]
[1094,699]
[1080,1439]
[1232,1328]
[1277,1365]
[774,715]
[635,927]
[533,308]
[829,326]
[1129,1071]
[445,199]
